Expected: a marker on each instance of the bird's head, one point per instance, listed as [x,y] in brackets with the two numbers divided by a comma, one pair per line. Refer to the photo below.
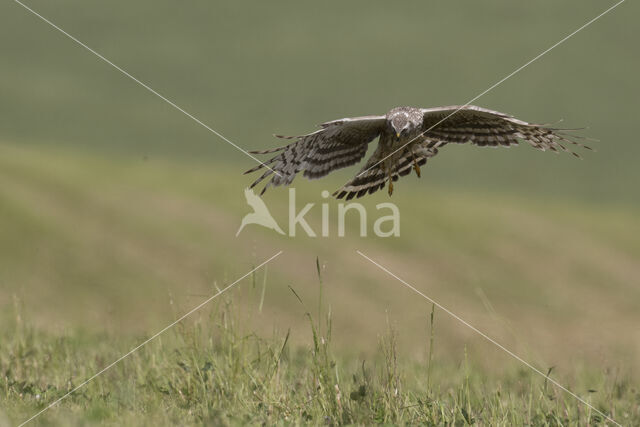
[402,123]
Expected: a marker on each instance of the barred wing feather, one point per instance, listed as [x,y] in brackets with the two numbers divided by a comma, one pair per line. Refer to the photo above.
[338,144]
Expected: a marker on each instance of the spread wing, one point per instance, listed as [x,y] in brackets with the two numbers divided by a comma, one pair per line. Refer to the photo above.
[338,144]
[455,124]
[484,127]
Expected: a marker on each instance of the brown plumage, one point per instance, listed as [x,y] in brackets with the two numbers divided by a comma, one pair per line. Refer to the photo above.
[408,137]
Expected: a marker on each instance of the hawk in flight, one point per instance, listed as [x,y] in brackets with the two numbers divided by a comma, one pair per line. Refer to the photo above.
[408,137]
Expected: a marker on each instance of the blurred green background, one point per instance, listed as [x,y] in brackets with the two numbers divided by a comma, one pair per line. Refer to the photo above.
[117,211]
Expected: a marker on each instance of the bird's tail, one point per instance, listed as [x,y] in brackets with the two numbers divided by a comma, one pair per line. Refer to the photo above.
[371,179]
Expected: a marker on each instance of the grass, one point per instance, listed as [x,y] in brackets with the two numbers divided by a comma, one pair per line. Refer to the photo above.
[210,369]
[104,250]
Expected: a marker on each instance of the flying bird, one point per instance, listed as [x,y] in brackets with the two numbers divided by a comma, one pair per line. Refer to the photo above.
[408,136]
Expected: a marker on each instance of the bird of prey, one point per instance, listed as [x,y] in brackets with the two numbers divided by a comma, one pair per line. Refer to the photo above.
[408,136]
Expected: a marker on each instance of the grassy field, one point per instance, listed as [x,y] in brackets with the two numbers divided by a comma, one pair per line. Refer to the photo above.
[126,246]
[118,214]
[213,371]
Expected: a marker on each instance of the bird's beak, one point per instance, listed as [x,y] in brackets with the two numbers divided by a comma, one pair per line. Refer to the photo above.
[397,134]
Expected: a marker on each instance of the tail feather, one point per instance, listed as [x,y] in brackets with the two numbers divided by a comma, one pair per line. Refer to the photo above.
[374,179]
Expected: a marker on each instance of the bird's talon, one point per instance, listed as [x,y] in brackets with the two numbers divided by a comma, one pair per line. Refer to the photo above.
[416,168]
